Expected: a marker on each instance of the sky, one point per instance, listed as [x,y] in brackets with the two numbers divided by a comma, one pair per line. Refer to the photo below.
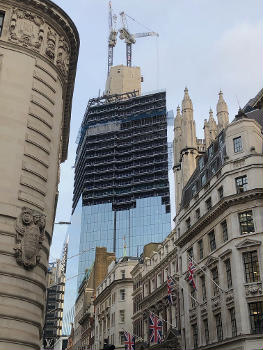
[206,45]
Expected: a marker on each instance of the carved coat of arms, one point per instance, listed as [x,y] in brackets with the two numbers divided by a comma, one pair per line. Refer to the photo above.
[30,233]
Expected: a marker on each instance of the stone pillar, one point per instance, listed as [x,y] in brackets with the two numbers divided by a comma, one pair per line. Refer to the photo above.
[38,56]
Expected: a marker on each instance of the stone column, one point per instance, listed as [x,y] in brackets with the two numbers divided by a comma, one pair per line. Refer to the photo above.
[38,56]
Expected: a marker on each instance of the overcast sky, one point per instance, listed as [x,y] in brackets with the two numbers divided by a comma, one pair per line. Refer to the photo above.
[206,45]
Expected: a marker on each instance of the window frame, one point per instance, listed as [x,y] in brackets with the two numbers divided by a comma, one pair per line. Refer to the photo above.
[212,240]
[233,321]
[256,319]
[206,329]
[219,327]
[201,248]
[122,292]
[215,278]
[203,287]
[249,226]
[2,16]
[208,203]
[242,187]
[195,335]
[228,273]
[224,228]
[251,268]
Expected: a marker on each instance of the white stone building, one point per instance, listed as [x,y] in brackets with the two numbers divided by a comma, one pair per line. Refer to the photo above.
[219,223]
[150,292]
[113,304]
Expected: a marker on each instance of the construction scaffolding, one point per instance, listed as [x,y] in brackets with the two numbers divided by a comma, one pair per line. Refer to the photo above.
[122,151]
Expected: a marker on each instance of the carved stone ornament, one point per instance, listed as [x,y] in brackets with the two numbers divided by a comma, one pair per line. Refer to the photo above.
[30,233]
[51,43]
[254,289]
[26,29]
[63,56]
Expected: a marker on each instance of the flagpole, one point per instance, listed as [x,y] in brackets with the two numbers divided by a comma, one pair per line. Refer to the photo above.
[180,285]
[134,335]
[222,290]
[168,323]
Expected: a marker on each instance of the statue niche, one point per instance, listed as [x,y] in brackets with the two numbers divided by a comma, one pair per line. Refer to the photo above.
[30,233]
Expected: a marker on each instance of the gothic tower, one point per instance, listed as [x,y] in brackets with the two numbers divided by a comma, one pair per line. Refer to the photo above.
[210,129]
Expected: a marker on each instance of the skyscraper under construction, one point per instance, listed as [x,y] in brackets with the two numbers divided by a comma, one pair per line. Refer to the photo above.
[121,169]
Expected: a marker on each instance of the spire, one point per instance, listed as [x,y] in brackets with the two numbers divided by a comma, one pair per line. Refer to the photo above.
[211,116]
[186,103]
[222,112]
[178,118]
[221,104]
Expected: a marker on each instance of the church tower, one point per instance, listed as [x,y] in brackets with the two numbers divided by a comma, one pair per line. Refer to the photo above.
[222,112]
[210,129]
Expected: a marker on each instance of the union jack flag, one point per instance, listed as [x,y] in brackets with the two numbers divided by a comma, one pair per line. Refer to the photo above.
[191,270]
[170,289]
[129,341]
[155,328]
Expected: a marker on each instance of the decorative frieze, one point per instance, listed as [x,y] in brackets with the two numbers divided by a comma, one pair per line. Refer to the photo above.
[229,297]
[216,303]
[29,30]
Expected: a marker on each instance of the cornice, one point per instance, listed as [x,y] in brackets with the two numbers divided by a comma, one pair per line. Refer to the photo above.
[219,208]
[64,27]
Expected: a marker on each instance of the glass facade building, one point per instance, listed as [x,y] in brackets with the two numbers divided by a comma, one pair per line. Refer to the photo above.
[121,172]
[73,257]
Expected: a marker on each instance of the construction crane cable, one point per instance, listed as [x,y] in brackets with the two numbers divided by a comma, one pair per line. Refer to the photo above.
[139,23]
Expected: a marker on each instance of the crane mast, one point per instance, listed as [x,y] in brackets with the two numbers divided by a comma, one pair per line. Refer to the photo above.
[112,40]
[130,38]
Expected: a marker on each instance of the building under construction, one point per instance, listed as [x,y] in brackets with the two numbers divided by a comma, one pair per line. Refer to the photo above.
[121,169]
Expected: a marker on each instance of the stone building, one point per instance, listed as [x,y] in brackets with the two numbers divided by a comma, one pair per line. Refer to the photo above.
[113,304]
[38,55]
[219,225]
[150,293]
[84,323]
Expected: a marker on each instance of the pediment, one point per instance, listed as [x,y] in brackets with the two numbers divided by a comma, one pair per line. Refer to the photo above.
[225,253]
[247,243]
[211,260]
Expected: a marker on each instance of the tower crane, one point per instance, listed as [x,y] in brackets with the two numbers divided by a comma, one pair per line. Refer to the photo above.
[130,38]
[112,36]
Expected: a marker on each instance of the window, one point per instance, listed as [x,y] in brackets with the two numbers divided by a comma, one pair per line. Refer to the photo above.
[206,331]
[251,266]
[2,16]
[220,192]
[202,279]
[122,316]
[201,163]
[219,329]
[194,189]
[210,151]
[215,278]
[195,336]
[203,179]
[246,222]
[212,240]
[122,337]
[197,213]
[188,223]
[224,231]
[228,273]
[153,283]
[190,253]
[159,278]
[237,144]
[213,168]
[256,317]
[241,184]
[113,319]
[122,294]
[221,140]
[122,274]
[233,322]
[208,203]
[201,249]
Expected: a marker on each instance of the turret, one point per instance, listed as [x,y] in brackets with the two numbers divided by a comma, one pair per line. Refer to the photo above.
[177,136]
[222,112]
[188,124]
[210,129]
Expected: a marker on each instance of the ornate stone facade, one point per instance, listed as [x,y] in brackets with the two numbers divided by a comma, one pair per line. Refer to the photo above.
[219,225]
[38,55]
